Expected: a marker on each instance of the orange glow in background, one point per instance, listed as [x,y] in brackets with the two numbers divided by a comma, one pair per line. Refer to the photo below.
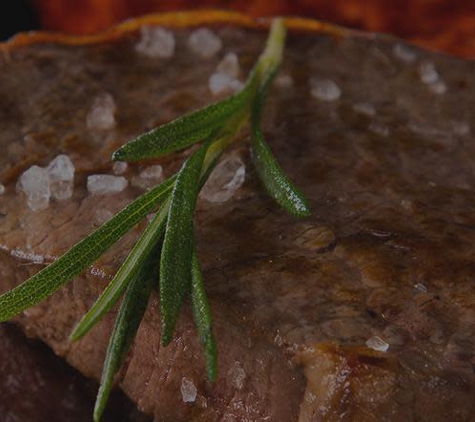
[447,25]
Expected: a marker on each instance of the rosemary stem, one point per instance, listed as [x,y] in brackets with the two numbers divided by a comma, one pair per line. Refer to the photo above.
[261,75]
[272,55]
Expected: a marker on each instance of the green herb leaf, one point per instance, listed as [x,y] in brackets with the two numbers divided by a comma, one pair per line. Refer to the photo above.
[175,261]
[127,271]
[271,174]
[126,325]
[202,317]
[277,184]
[81,255]
[182,132]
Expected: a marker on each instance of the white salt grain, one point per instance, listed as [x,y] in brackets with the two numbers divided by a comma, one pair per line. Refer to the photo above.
[103,184]
[224,80]
[325,89]
[62,190]
[236,85]
[61,168]
[365,108]
[101,114]
[225,180]
[156,41]
[204,42]
[148,177]
[461,128]
[404,53]
[421,288]
[219,83]
[237,375]
[154,173]
[378,344]
[229,65]
[379,129]
[2,189]
[34,183]
[119,167]
[438,87]
[61,177]
[188,390]
[428,73]
[284,81]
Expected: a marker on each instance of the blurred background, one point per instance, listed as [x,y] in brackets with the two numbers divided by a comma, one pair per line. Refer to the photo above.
[447,25]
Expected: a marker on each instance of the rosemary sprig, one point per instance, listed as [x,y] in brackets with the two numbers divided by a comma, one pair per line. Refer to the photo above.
[126,325]
[169,237]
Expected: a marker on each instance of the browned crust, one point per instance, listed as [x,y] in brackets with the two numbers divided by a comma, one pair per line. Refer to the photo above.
[175,20]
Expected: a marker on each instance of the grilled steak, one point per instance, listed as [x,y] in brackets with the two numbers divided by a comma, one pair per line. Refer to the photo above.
[365,311]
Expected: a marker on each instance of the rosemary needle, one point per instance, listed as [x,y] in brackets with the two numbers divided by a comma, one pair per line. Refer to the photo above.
[182,132]
[274,179]
[126,325]
[175,260]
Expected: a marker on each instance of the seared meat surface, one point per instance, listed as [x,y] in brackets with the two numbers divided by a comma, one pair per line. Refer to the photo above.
[386,262]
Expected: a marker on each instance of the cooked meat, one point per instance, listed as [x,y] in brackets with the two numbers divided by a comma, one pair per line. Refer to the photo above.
[37,386]
[365,311]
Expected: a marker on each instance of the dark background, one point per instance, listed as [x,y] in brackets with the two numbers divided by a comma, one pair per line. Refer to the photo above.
[16,16]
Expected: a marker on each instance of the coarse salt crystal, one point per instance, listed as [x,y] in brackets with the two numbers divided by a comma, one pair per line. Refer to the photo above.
[421,288]
[325,89]
[404,53]
[428,73]
[34,183]
[365,108]
[103,184]
[188,390]
[148,177]
[154,172]
[284,81]
[61,168]
[379,129]
[229,65]
[226,178]
[237,375]
[221,82]
[2,189]
[119,167]
[204,42]
[156,41]
[101,114]
[61,177]
[461,128]
[378,344]
[438,87]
